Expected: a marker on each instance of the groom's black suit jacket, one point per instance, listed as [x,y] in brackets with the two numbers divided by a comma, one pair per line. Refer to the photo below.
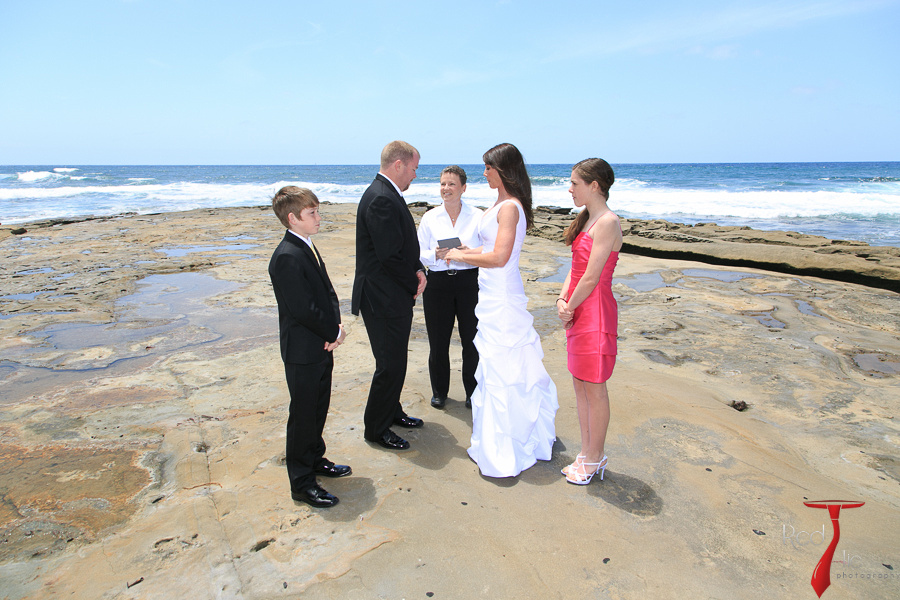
[384,290]
[387,252]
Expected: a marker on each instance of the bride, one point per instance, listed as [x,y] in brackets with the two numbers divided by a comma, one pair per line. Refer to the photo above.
[515,403]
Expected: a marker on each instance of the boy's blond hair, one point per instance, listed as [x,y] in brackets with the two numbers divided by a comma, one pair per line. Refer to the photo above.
[292,199]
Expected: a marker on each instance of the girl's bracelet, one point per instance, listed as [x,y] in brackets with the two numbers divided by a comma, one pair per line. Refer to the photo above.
[561,298]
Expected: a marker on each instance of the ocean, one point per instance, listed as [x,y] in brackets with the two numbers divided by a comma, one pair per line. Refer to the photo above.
[849,201]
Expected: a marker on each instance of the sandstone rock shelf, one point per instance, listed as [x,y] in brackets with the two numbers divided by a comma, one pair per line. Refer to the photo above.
[143,410]
[777,251]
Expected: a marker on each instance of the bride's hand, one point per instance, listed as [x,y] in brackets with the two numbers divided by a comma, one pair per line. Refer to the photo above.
[454,254]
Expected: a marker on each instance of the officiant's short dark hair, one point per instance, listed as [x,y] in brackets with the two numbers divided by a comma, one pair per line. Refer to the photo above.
[458,171]
[292,199]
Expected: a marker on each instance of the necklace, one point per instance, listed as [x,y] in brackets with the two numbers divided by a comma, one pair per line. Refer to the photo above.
[452,218]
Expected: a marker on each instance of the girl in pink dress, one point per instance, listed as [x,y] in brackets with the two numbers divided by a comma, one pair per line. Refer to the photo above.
[589,313]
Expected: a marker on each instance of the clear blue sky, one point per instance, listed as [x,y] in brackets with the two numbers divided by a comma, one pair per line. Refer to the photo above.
[295,82]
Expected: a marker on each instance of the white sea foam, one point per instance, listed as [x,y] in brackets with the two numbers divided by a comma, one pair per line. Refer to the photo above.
[853,213]
[633,198]
[332,192]
[29,176]
[846,201]
[755,205]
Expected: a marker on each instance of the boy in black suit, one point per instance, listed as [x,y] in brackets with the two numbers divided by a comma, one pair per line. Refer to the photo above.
[309,321]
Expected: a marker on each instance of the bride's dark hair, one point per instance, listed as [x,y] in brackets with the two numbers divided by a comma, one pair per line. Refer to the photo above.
[509,163]
[590,170]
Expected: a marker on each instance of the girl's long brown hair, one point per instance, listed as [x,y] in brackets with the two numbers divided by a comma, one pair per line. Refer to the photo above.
[590,170]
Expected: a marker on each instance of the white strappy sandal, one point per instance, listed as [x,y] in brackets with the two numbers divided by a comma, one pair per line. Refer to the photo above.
[582,476]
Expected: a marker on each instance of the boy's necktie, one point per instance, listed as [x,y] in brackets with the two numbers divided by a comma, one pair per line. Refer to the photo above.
[316,253]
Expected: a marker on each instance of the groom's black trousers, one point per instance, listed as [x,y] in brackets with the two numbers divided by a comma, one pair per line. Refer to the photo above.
[389,338]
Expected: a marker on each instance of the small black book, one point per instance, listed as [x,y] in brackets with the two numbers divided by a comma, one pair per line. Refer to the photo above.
[450,243]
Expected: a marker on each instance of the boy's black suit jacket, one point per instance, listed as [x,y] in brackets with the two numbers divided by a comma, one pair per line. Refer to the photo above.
[308,309]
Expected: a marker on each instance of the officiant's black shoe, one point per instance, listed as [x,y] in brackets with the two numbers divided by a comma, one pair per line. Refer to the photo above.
[316,497]
[334,470]
[409,422]
[392,441]
[438,402]
[468,401]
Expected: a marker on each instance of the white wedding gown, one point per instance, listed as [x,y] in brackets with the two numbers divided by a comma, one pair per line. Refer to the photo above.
[515,403]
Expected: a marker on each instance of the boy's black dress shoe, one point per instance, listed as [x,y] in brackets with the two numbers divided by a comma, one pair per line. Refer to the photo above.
[438,402]
[316,497]
[468,401]
[392,441]
[334,470]
[410,422]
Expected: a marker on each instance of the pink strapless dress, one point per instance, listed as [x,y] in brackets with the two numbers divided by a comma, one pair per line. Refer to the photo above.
[591,341]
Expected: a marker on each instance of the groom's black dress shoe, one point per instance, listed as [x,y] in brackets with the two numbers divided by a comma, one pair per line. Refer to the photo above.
[392,441]
[315,497]
[468,401]
[334,470]
[438,402]
[410,422]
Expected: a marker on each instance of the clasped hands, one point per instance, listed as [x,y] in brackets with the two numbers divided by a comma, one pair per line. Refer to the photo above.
[449,254]
[330,346]
[565,315]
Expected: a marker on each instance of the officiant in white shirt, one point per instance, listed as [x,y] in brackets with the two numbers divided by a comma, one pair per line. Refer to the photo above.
[452,290]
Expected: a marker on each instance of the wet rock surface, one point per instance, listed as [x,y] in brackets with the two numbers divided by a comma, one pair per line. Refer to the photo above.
[143,405]
[777,251]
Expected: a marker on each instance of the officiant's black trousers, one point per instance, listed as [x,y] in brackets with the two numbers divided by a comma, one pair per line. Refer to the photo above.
[450,298]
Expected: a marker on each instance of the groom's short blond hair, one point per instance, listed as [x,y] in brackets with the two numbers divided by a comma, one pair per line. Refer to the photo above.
[395,151]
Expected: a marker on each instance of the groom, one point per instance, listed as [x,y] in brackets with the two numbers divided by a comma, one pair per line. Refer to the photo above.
[389,278]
